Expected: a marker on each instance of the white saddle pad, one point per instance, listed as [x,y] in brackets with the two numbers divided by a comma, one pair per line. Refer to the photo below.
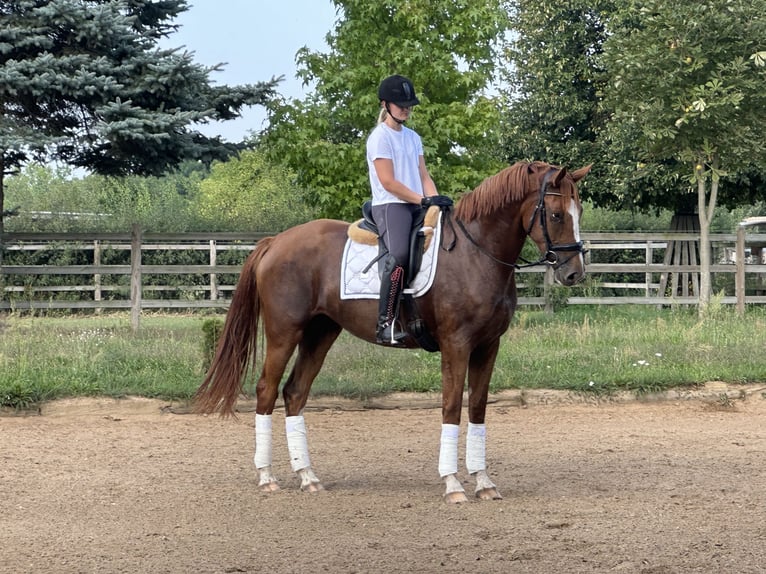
[357,284]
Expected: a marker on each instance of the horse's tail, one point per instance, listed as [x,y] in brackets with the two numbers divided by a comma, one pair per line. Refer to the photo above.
[237,343]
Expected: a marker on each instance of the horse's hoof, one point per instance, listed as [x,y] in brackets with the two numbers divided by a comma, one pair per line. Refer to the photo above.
[269,487]
[488,494]
[313,487]
[457,497]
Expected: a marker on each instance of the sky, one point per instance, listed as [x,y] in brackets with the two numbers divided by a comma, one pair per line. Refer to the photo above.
[256,40]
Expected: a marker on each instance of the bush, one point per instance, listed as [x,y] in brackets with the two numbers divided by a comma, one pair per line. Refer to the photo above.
[211,329]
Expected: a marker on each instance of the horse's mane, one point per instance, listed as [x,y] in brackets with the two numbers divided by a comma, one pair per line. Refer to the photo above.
[512,184]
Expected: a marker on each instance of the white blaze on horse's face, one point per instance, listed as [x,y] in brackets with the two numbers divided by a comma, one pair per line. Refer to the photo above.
[574,212]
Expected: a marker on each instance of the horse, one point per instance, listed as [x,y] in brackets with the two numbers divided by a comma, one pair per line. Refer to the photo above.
[289,286]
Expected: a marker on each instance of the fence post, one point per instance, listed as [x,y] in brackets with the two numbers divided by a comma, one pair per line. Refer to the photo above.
[97,276]
[135,276]
[649,256]
[739,277]
[213,276]
[548,282]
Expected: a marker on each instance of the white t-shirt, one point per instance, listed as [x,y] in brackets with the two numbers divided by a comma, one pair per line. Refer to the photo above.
[404,148]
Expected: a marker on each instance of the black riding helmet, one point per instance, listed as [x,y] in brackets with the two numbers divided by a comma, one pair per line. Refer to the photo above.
[398,90]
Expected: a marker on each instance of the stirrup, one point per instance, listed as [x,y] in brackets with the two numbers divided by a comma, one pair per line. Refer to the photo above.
[389,336]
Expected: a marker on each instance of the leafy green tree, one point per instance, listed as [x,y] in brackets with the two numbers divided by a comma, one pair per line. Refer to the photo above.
[556,110]
[687,97]
[555,81]
[248,193]
[86,83]
[159,204]
[449,48]
[48,198]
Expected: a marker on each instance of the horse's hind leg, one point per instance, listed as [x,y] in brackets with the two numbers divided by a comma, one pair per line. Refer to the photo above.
[267,391]
[318,337]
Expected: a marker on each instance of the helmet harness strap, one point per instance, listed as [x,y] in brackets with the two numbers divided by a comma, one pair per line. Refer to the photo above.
[393,117]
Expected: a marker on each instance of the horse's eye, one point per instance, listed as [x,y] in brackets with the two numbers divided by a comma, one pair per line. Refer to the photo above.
[557,217]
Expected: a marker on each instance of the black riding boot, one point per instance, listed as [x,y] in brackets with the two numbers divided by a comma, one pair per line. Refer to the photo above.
[391,286]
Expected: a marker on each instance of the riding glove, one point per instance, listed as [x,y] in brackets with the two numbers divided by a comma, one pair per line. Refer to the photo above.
[438,200]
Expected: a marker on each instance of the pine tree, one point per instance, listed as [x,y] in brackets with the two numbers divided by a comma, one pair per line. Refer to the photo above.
[85,82]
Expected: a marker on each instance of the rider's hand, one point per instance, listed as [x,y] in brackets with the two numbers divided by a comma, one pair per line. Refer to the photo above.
[438,200]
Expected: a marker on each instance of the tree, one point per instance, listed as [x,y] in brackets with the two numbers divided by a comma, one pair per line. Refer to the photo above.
[85,83]
[556,109]
[686,93]
[555,80]
[555,112]
[254,194]
[449,48]
[51,199]
[46,198]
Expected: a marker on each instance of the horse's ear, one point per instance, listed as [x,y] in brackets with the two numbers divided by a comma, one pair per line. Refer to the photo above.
[581,173]
[559,176]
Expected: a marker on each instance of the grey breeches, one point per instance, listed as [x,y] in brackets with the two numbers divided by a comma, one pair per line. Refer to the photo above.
[394,221]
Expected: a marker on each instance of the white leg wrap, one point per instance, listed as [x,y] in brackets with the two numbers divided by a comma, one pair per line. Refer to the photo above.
[476,448]
[297,443]
[262,441]
[448,450]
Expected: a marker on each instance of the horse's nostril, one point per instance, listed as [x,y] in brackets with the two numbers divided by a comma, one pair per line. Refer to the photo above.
[572,278]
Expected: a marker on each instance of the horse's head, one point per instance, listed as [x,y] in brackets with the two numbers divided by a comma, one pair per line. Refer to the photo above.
[552,216]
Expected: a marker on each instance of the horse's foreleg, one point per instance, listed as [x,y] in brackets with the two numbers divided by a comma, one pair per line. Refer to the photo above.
[454,365]
[475,461]
[479,374]
[454,492]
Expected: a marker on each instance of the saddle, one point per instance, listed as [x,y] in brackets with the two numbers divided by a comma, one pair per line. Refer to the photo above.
[366,231]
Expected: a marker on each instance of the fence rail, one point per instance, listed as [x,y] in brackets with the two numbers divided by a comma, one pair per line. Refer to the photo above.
[624,268]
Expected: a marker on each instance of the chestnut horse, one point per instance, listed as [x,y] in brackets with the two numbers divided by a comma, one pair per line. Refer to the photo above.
[291,282]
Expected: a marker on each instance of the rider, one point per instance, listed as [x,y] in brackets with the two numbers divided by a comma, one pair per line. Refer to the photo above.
[401,187]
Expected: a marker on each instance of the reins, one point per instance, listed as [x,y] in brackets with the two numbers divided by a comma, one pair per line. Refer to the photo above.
[469,237]
[551,255]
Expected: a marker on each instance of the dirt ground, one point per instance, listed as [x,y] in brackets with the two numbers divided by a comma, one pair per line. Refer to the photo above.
[676,485]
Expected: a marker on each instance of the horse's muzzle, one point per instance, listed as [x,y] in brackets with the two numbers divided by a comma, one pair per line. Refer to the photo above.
[570,270]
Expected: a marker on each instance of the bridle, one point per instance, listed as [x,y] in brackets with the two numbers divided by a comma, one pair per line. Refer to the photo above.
[552,251]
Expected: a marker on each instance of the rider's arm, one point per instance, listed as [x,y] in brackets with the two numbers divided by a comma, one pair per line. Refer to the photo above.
[429,187]
[384,168]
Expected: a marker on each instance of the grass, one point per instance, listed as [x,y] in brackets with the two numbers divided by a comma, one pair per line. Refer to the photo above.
[641,350]
[597,350]
[47,358]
